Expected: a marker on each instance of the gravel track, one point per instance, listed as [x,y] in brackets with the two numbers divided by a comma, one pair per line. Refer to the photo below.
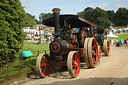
[112,70]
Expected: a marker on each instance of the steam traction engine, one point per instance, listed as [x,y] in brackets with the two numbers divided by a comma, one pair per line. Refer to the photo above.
[75,40]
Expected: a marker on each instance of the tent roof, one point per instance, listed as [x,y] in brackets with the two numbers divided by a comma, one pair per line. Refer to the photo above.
[111,35]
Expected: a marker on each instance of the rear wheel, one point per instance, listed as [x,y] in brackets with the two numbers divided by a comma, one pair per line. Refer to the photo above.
[43,65]
[73,64]
[106,48]
[91,57]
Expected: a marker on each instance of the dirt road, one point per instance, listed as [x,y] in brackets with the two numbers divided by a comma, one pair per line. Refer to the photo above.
[112,70]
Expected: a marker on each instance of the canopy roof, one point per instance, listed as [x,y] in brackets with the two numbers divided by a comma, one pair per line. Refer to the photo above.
[73,20]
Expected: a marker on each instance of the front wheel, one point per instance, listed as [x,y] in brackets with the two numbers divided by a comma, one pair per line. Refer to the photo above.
[43,65]
[73,64]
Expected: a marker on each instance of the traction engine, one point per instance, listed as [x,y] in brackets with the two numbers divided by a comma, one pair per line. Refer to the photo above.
[76,41]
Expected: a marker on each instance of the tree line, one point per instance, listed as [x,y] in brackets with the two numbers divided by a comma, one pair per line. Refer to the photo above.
[103,19]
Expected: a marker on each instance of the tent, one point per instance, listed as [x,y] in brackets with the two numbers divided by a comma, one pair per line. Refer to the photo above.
[111,34]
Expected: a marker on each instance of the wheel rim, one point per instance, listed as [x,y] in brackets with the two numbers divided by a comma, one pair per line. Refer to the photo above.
[43,65]
[94,52]
[73,64]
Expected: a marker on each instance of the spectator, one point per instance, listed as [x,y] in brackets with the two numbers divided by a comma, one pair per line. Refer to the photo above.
[124,41]
[126,45]
[116,40]
[121,42]
[112,41]
[49,38]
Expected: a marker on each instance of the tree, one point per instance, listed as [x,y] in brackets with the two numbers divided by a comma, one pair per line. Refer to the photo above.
[98,17]
[46,16]
[111,15]
[81,14]
[121,17]
[30,20]
[12,20]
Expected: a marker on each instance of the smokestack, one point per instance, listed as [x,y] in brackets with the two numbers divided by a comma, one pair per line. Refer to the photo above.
[56,12]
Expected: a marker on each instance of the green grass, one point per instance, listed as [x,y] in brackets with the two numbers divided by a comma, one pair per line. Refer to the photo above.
[120,36]
[123,36]
[34,46]
[13,67]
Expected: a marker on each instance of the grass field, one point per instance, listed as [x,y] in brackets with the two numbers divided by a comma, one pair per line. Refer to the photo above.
[123,36]
[17,67]
[34,46]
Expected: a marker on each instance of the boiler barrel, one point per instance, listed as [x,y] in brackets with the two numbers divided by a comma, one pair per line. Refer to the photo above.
[61,47]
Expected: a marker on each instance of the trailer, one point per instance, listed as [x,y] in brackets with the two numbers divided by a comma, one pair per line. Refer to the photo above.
[76,41]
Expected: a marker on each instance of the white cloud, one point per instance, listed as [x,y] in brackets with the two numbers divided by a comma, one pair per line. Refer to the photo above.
[104,6]
[126,5]
[117,5]
[26,4]
[37,10]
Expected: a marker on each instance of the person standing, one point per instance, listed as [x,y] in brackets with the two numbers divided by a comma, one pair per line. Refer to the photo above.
[126,45]
[112,41]
[121,42]
[124,41]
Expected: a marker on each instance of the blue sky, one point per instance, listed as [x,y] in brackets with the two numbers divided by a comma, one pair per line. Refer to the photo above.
[35,7]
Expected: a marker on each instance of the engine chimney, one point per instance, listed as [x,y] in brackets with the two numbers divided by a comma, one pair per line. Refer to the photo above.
[56,12]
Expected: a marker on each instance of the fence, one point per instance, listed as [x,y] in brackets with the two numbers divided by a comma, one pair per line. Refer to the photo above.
[18,66]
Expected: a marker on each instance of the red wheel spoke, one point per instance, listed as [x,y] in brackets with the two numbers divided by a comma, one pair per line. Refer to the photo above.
[93,46]
[73,65]
[44,70]
[73,62]
[42,64]
[75,70]
[77,60]
[75,57]
[43,58]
